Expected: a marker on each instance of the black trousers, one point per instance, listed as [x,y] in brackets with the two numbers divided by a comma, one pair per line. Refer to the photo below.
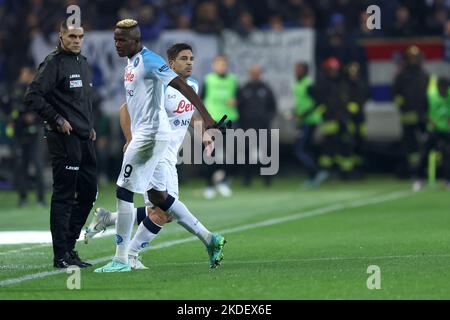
[304,149]
[248,170]
[221,153]
[408,148]
[209,170]
[441,142]
[74,167]
[29,151]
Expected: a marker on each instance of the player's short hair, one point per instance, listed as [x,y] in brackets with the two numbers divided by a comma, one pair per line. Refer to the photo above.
[174,50]
[126,24]
[131,26]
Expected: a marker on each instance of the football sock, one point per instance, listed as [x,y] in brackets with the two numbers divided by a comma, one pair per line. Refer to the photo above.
[112,219]
[146,232]
[186,219]
[139,213]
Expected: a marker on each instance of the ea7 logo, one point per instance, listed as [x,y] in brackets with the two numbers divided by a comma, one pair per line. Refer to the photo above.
[72,168]
[374,18]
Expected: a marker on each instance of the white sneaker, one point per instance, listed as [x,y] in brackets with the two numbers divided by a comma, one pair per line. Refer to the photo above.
[136,263]
[209,193]
[224,190]
[418,185]
[98,224]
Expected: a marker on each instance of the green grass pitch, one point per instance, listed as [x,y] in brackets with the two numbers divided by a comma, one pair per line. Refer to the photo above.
[283,243]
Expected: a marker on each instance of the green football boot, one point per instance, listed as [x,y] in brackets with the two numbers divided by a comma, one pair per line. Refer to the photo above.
[114,266]
[215,250]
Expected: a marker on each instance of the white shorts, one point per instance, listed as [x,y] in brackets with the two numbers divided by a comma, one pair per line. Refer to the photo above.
[139,164]
[164,178]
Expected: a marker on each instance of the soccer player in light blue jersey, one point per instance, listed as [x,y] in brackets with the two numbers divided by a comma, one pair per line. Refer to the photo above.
[146,77]
[181,114]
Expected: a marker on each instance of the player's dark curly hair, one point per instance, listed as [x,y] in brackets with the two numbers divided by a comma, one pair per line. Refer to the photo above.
[174,50]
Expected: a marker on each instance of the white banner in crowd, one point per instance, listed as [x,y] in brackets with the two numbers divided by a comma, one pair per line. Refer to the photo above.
[205,48]
[276,53]
[108,68]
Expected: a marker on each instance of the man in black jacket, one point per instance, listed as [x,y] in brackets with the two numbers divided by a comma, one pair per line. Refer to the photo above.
[61,94]
[410,96]
[257,107]
[27,144]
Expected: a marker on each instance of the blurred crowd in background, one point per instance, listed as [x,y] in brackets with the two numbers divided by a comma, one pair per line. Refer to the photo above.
[331,103]
[334,20]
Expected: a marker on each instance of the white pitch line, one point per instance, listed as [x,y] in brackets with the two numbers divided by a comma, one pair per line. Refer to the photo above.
[24,249]
[269,222]
[408,256]
[38,238]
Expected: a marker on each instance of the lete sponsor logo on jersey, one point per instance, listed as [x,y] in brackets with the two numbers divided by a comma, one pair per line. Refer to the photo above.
[129,76]
[184,107]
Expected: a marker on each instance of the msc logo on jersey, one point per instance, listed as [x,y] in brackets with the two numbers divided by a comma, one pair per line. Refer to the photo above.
[182,123]
[136,62]
[163,68]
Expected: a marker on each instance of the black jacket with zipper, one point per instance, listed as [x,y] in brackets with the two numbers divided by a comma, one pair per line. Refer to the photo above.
[62,89]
